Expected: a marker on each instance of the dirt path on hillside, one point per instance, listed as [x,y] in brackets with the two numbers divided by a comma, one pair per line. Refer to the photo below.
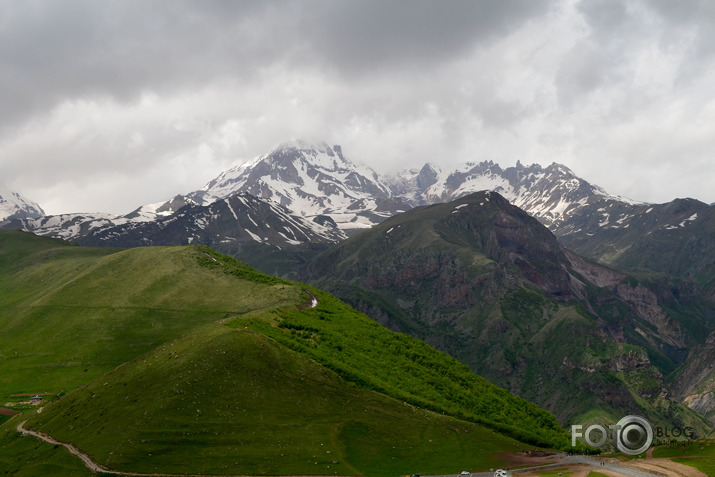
[95,467]
[91,464]
[87,460]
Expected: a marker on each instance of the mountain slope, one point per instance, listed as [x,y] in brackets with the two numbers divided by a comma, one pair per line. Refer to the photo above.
[681,243]
[487,283]
[258,231]
[163,351]
[14,206]
[586,219]
[316,185]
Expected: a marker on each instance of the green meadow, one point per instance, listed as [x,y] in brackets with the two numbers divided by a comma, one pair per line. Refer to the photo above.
[180,359]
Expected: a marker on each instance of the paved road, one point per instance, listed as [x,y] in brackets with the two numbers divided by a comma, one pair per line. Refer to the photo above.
[575,459]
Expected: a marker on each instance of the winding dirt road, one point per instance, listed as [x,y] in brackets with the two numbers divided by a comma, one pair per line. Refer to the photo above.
[92,465]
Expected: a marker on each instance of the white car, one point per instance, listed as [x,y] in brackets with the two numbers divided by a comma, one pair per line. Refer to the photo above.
[500,473]
[464,472]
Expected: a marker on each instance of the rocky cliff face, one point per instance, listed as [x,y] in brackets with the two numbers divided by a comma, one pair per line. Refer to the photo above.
[489,284]
[694,382]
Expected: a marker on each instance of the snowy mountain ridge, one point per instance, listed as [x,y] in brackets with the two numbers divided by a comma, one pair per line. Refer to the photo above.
[552,194]
[230,221]
[317,185]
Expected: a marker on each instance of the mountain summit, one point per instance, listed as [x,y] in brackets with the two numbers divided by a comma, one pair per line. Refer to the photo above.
[311,180]
[15,206]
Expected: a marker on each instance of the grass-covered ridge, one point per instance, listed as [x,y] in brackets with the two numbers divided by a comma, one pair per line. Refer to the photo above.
[224,401]
[180,359]
[365,353]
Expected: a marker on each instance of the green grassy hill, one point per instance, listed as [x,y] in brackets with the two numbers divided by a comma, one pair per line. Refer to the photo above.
[70,314]
[180,359]
[226,401]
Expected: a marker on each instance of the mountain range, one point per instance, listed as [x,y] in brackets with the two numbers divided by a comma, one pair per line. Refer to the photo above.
[314,182]
[285,211]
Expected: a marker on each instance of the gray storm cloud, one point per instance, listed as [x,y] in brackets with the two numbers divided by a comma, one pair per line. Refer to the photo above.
[110,105]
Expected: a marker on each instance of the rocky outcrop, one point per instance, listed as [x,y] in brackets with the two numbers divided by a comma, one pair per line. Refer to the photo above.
[701,403]
[645,303]
[694,384]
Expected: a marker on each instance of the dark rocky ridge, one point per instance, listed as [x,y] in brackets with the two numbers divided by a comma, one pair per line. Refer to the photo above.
[486,282]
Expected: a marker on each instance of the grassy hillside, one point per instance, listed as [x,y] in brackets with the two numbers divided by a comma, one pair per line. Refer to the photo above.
[398,365]
[230,401]
[70,314]
[180,359]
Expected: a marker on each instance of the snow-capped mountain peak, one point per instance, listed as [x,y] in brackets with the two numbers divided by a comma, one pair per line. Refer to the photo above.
[14,206]
[551,194]
[311,179]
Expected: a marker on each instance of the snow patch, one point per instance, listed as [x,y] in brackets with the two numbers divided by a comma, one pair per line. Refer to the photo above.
[254,236]
[290,241]
[228,204]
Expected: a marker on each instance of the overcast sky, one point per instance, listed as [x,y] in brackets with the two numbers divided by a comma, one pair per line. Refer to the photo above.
[108,105]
